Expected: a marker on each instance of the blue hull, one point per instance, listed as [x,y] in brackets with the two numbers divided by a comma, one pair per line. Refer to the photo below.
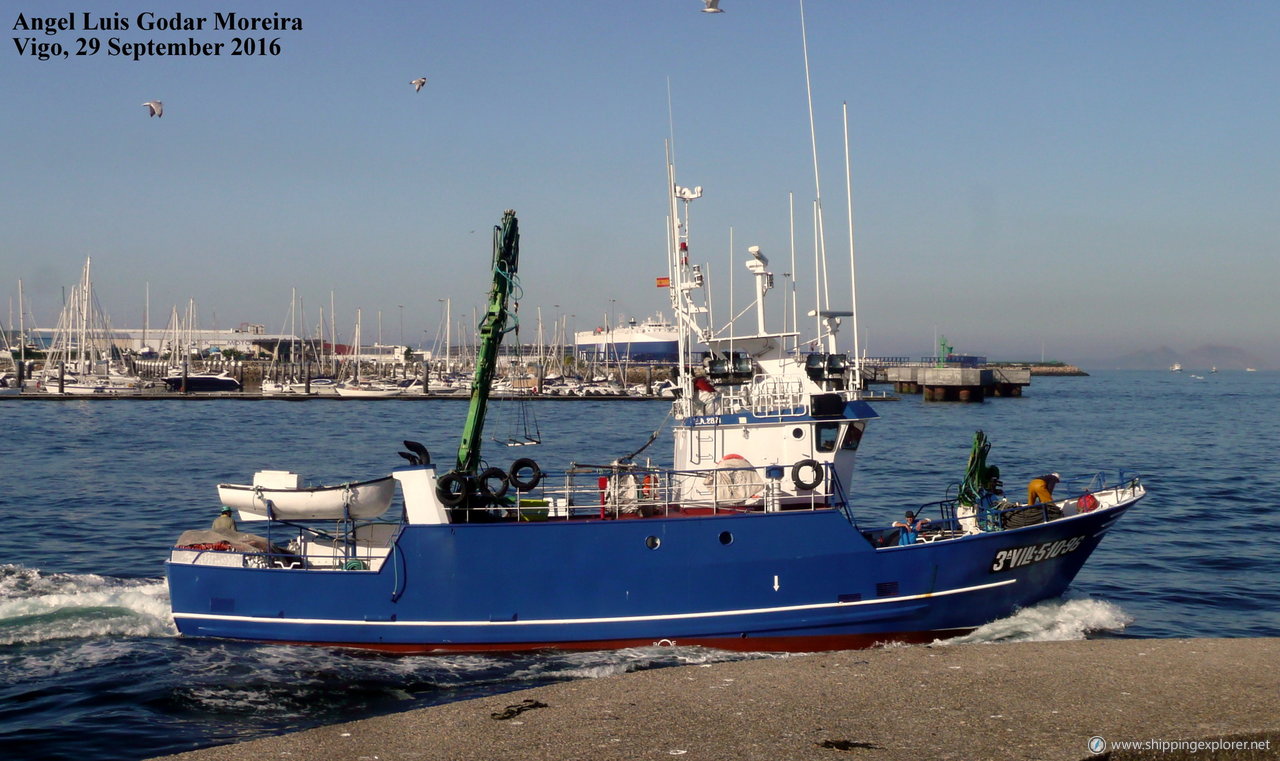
[635,351]
[803,580]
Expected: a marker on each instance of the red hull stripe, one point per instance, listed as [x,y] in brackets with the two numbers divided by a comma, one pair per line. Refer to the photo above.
[740,644]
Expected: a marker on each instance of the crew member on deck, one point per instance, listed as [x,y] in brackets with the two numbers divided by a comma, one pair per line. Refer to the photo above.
[704,394]
[224,523]
[1041,488]
[910,528]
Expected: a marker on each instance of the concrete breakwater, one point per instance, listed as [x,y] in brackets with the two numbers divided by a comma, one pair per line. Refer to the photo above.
[1169,699]
[1055,369]
[956,383]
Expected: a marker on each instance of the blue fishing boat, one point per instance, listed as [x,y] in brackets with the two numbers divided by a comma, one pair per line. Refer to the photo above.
[746,539]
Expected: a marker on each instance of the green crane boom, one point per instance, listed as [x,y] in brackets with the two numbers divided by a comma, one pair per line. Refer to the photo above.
[506,258]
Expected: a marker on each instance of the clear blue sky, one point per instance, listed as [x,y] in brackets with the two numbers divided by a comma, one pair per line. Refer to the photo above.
[1090,177]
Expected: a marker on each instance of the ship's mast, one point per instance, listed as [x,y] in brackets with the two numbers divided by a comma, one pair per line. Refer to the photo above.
[685,278]
[853,282]
[506,257]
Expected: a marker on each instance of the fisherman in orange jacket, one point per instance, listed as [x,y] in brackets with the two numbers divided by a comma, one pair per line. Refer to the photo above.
[1041,488]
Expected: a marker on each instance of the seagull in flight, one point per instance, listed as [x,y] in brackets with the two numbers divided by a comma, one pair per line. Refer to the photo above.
[154,107]
[713,6]
[418,83]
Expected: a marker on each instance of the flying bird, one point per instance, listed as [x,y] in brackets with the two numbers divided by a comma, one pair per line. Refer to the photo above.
[418,83]
[713,6]
[154,107]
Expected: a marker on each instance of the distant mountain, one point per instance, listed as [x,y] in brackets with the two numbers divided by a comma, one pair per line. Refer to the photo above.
[1199,358]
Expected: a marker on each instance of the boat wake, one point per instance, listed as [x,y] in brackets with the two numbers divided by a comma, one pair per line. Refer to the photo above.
[280,683]
[1051,621]
[603,663]
[39,607]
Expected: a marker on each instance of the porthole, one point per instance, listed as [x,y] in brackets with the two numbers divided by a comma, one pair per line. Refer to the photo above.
[652,542]
[797,433]
[726,538]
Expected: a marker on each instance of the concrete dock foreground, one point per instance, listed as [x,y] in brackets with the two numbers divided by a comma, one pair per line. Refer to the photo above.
[1047,700]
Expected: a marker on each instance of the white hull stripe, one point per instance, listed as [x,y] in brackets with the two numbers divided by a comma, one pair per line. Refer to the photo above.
[580,621]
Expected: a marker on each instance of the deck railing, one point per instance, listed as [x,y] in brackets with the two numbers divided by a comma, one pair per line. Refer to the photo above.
[949,519]
[351,546]
[778,397]
[639,491]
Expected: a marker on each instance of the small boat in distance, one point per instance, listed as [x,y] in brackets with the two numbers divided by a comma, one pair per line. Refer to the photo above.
[1176,367]
[203,382]
[356,386]
[317,386]
[368,389]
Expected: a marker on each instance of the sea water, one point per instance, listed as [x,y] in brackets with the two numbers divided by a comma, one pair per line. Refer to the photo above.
[95,491]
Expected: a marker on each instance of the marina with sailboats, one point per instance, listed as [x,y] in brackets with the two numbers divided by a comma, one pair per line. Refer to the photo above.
[84,356]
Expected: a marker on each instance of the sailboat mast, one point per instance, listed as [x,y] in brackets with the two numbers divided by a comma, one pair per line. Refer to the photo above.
[22,330]
[86,294]
[292,326]
[190,343]
[541,347]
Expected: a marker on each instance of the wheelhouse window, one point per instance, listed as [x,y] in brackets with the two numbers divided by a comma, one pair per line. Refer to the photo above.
[825,436]
[853,436]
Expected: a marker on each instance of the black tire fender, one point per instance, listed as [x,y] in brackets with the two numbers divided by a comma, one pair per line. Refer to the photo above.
[453,488]
[797,474]
[485,482]
[516,478]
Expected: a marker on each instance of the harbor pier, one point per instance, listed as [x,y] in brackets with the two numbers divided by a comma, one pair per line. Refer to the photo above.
[955,384]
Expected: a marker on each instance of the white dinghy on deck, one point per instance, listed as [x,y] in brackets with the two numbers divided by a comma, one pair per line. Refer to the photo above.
[279,495]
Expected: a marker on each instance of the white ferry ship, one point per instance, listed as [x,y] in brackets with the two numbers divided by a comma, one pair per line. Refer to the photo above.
[654,340]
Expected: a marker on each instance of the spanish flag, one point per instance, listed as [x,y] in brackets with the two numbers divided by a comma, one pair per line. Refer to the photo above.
[663,282]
